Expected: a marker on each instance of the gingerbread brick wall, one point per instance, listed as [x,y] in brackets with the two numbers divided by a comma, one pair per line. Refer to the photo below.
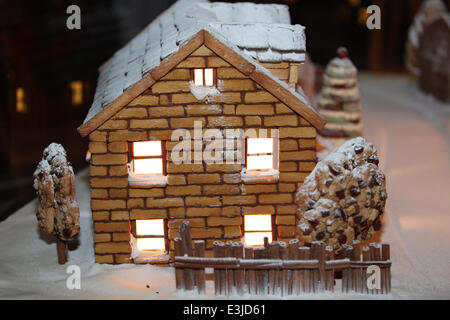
[212,197]
[285,71]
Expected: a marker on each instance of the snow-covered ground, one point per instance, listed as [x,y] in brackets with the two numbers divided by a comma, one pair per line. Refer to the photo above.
[411,132]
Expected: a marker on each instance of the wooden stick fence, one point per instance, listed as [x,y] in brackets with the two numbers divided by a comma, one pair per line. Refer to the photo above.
[278,269]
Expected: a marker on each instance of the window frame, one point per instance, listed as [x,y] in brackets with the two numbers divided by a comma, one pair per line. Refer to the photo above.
[272,226]
[275,156]
[163,158]
[164,236]
[77,87]
[192,75]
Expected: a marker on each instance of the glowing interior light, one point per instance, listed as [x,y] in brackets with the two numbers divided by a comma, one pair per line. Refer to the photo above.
[21,106]
[257,222]
[148,166]
[198,77]
[259,162]
[209,77]
[260,145]
[77,92]
[259,153]
[153,227]
[147,148]
[256,228]
[257,238]
[150,244]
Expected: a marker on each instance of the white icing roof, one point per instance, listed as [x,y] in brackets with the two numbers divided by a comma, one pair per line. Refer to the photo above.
[261,31]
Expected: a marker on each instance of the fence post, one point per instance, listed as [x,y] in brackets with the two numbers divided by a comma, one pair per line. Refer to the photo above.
[293,274]
[375,253]
[386,255]
[315,278]
[347,252]
[229,272]
[179,273]
[356,256]
[260,253]
[348,255]
[274,253]
[366,257]
[250,274]
[304,253]
[239,274]
[265,273]
[200,273]
[314,272]
[322,258]
[329,274]
[185,234]
[283,272]
[219,274]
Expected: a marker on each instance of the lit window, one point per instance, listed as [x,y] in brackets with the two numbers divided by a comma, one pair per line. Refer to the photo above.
[256,228]
[77,92]
[150,234]
[21,105]
[204,77]
[148,157]
[261,154]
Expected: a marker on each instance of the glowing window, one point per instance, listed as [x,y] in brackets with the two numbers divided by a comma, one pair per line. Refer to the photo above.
[21,105]
[256,228]
[204,77]
[261,154]
[148,157]
[77,92]
[150,234]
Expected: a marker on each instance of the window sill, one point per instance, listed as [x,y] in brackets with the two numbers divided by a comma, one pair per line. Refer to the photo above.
[147,181]
[255,177]
[159,259]
[147,257]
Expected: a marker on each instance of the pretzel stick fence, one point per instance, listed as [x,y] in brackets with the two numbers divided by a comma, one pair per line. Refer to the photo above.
[277,268]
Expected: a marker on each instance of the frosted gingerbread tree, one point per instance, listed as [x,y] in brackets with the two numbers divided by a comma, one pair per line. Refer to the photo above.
[339,100]
[57,209]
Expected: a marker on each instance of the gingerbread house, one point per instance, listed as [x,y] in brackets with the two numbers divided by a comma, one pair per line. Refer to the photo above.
[201,74]
[434,56]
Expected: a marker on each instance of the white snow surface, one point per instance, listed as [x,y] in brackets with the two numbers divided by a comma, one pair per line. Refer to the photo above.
[202,92]
[410,131]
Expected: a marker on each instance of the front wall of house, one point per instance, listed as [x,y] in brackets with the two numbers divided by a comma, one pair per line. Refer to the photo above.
[212,197]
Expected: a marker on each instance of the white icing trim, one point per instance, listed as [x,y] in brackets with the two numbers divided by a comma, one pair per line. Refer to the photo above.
[203,92]
[255,176]
[145,180]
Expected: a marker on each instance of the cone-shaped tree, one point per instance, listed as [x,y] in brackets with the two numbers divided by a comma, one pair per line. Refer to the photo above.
[339,100]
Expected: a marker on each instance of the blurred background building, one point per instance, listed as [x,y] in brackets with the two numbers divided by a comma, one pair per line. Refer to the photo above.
[48,73]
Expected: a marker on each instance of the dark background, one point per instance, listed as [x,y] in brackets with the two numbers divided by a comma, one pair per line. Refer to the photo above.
[39,54]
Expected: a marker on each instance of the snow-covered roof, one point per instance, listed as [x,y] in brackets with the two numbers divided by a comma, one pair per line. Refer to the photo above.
[259,31]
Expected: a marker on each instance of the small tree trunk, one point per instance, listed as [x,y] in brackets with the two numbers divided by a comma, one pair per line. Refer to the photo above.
[61,247]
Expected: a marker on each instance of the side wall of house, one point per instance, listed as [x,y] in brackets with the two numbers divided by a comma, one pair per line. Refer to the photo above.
[212,197]
[285,71]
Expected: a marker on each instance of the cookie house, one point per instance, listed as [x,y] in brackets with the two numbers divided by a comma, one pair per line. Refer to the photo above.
[433,58]
[200,67]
